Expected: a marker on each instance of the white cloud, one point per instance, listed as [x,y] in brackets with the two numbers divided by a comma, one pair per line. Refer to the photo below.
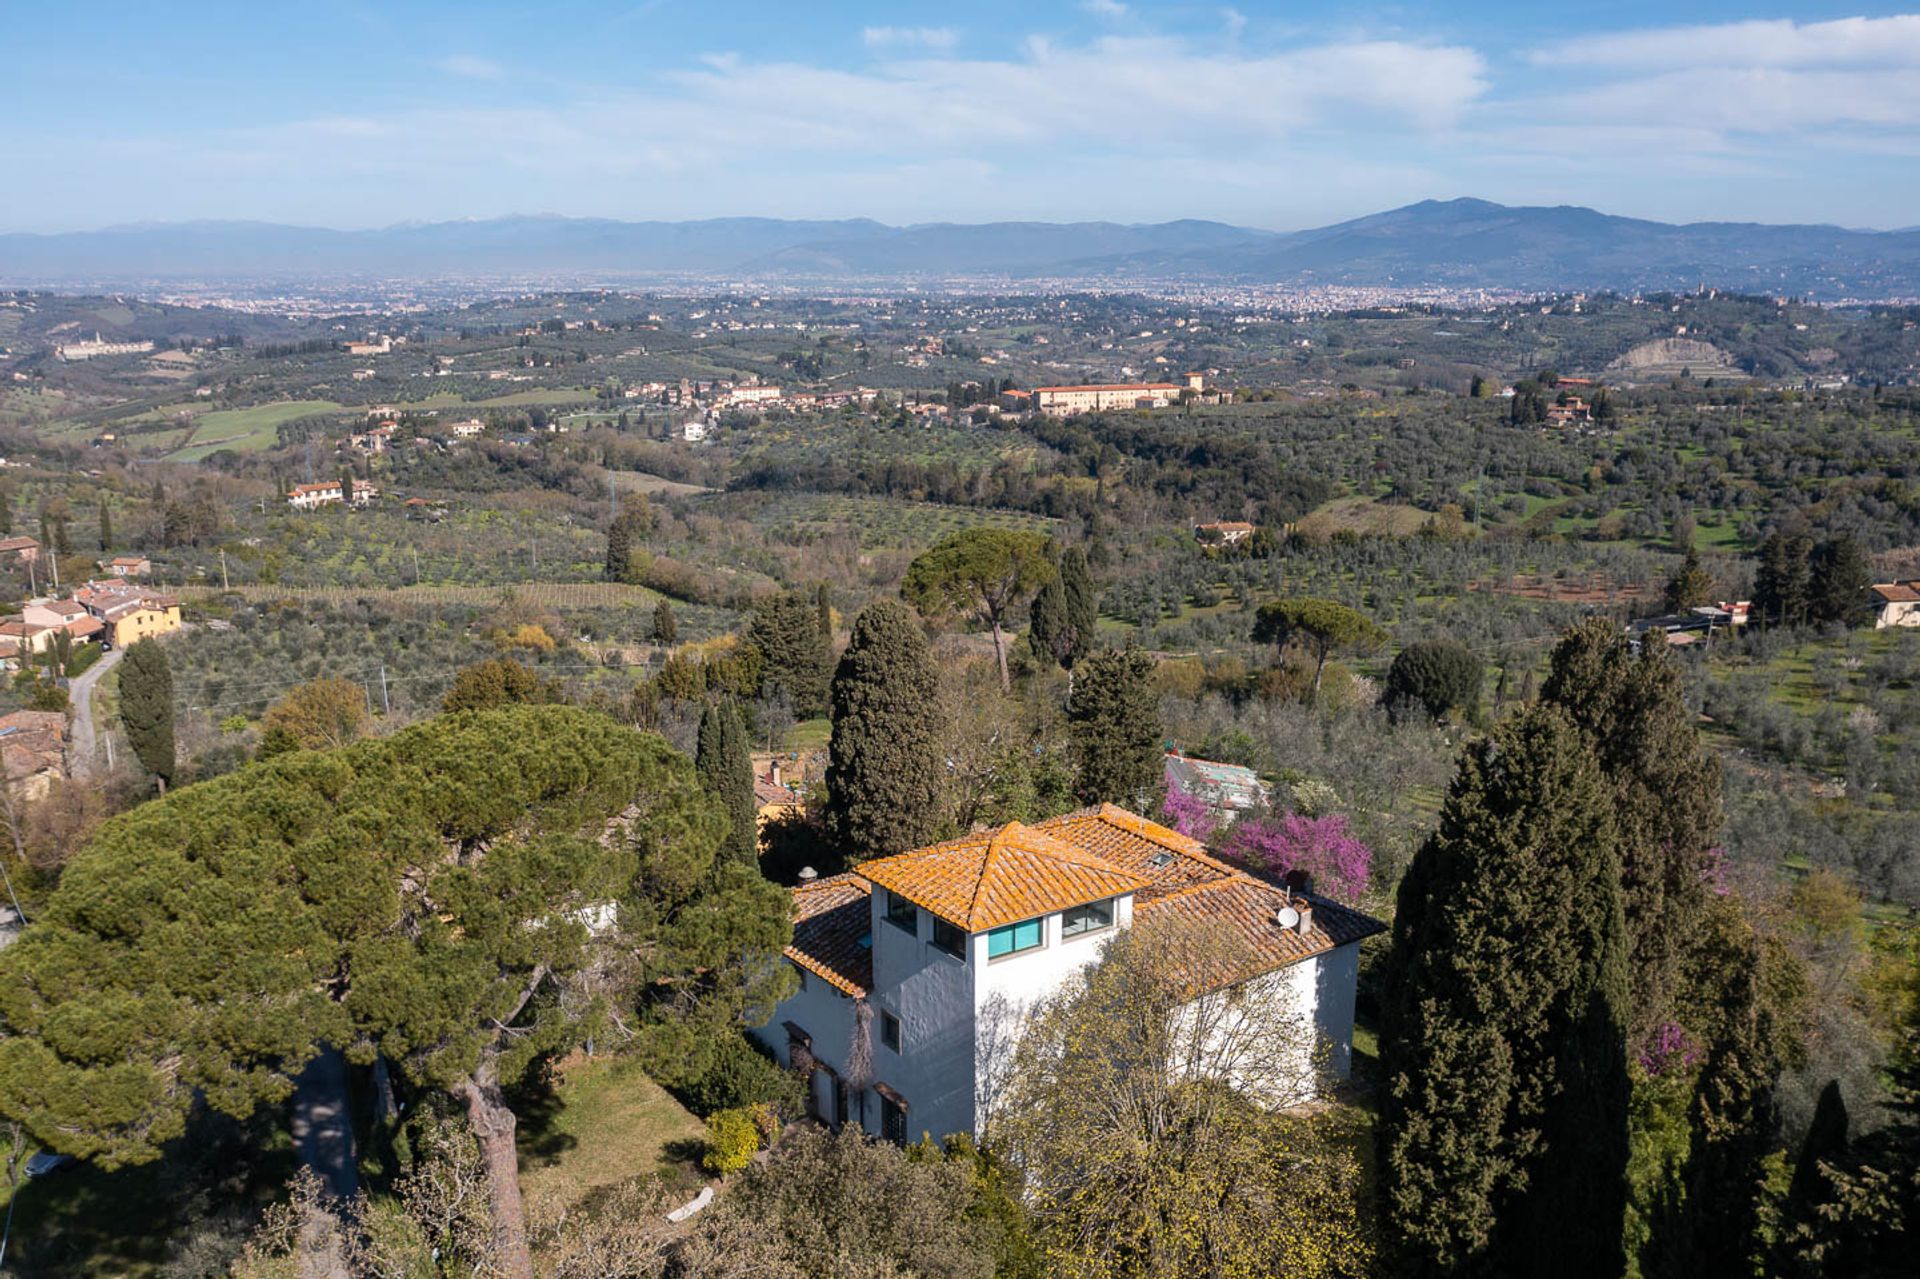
[915,37]
[1234,20]
[471,66]
[1845,42]
[1762,78]
[1110,10]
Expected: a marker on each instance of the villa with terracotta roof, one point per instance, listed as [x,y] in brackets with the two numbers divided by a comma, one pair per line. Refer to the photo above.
[912,967]
[1896,604]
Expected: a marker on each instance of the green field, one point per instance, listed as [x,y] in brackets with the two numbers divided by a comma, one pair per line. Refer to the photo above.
[246,430]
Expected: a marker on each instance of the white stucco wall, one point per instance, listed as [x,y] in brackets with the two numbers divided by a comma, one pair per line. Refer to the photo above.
[958,1019]
[931,992]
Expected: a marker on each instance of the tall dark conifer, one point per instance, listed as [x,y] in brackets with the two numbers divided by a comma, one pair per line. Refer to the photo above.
[1083,604]
[885,765]
[146,707]
[1115,717]
[1503,1129]
[786,631]
[1666,789]
[725,765]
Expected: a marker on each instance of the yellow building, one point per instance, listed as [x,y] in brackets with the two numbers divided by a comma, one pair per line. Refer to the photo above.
[131,614]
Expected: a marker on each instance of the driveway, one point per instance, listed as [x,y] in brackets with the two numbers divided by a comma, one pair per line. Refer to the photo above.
[86,744]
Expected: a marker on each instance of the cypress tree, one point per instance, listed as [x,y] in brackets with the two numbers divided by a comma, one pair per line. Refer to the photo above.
[1083,604]
[1690,586]
[1050,635]
[106,526]
[1115,718]
[6,511]
[786,631]
[1838,579]
[146,707]
[725,765]
[1667,797]
[885,762]
[1782,584]
[823,605]
[666,628]
[1504,1123]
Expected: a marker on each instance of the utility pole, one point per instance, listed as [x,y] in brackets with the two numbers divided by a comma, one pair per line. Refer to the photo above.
[416,564]
[224,584]
[386,707]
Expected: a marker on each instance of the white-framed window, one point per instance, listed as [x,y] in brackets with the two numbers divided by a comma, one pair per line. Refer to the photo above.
[1093,917]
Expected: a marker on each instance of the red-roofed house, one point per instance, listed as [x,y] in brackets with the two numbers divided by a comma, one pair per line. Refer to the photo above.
[1896,604]
[921,963]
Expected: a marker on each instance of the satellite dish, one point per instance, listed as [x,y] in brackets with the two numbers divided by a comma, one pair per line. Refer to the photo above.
[1287,917]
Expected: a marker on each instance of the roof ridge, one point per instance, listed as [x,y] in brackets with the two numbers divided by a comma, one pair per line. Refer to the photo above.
[995,843]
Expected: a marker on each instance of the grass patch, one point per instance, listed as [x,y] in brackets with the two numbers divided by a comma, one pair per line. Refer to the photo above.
[247,430]
[605,1122]
[810,734]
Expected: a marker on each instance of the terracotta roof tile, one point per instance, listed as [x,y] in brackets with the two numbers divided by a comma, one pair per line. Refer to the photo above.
[1000,877]
[832,932]
[1898,592]
[1017,872]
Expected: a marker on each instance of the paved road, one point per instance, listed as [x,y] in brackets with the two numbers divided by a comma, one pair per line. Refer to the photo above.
[80,689]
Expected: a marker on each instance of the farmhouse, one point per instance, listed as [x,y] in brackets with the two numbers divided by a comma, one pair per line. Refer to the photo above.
[128,566]
[307,497]
[23,549]
[1896,604]
[128,612]
[1222,532]
[914,967]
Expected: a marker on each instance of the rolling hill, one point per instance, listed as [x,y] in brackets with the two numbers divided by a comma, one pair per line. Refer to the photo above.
[1462,243]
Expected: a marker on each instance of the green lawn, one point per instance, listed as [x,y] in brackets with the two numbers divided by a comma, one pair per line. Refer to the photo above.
[605,1123]
[247,430]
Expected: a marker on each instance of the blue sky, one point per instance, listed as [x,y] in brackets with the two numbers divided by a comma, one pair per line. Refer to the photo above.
[351,114]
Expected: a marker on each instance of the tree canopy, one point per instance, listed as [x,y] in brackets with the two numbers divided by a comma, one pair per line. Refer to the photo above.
[146,707]
[1322,626]
[885,766]
[463,898]
[983,573]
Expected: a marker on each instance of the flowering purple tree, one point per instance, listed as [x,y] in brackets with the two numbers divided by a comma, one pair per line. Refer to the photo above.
[1188,813]
[1320,846]
[1669,1048]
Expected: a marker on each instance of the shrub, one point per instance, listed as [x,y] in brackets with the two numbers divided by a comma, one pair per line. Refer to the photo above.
[737,1075]
[1437,675]
[732,1139]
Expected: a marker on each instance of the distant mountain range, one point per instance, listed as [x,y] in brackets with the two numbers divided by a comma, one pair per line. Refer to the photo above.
[1455,243]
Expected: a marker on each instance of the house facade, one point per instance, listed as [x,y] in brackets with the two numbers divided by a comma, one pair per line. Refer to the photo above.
[129,613]
[917,969]
[1896,604]
[1064,401]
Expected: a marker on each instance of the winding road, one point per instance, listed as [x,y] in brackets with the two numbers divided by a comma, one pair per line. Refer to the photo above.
[84,749]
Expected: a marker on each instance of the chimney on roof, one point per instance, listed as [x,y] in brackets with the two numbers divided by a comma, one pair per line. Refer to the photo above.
[1305,908]
[773,772]
[808,874]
